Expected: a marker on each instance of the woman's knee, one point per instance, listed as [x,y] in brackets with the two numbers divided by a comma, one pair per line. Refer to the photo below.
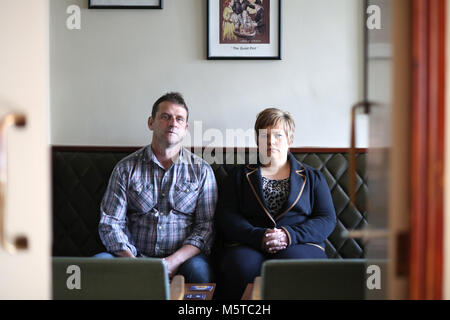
[301,251]
[238,267]
[243,262]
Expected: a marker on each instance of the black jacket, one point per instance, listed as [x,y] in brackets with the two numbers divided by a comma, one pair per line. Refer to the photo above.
[308,216]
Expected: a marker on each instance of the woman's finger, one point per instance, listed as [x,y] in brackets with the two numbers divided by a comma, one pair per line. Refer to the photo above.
[275,249]
[276,243]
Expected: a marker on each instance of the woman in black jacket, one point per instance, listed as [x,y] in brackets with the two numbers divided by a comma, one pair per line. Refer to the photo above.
[276,209]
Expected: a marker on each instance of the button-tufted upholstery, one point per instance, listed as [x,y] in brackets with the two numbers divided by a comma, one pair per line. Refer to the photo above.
[81,175]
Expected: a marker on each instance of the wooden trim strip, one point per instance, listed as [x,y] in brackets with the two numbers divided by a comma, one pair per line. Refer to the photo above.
[234,149]
[418,151]
[94,148]
[427,149]
[436,125]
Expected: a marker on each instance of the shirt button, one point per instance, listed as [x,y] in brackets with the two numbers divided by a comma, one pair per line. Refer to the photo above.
[156,214]
[163,195]
[159,227]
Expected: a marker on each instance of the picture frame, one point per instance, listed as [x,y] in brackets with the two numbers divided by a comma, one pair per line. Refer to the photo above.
[125,4]
[243,29]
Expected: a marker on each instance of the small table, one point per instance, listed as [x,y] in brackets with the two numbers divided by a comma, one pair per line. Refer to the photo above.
[209,294]
[253,290]
[247,295]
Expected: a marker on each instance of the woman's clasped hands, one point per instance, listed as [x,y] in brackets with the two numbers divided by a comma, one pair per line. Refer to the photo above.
[274,240]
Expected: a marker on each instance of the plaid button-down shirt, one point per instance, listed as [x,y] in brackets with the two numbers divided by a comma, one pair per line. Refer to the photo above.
[153,211]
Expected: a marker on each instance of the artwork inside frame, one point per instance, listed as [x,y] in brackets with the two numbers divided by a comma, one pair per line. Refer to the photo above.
[125,4]
[244,29]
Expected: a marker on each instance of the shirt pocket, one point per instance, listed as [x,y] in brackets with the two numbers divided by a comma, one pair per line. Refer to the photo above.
[185,196]
[141,199]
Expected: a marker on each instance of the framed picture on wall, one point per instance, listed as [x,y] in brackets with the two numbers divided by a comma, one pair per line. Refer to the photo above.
[125,4]
[244,29]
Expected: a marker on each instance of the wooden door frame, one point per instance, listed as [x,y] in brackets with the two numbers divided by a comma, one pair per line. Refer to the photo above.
[427,149]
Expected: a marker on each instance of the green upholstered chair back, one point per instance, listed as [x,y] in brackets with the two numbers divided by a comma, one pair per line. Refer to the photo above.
[109,279]
[313,279]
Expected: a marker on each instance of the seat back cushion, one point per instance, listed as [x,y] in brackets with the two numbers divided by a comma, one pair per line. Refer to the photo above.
[80,178]
[125,278]
[325,279]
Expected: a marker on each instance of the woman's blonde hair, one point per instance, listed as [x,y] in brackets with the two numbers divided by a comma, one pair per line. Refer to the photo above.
[272,117]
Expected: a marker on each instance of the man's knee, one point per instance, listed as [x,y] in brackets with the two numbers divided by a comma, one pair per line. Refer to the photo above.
[104,255]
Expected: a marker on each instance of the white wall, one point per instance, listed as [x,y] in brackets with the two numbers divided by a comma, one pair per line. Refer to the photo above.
[106,76]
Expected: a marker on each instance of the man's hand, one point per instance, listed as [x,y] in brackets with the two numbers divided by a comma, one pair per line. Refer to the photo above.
[172,265]
[274,240]
[125,254]
[175,260]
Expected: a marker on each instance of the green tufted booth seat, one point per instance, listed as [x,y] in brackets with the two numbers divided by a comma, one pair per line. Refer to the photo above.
[81,174]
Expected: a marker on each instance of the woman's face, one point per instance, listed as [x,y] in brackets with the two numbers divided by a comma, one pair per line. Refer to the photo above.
[273,144]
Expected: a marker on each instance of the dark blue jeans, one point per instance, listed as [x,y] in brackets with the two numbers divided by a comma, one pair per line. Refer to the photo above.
[240,265]
[194,270]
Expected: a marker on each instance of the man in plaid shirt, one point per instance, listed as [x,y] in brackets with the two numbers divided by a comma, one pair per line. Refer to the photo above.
[160,200]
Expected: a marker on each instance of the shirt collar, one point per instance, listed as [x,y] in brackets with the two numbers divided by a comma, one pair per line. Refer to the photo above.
[151,157]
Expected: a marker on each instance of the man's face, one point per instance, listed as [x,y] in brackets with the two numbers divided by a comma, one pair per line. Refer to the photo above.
[170,124]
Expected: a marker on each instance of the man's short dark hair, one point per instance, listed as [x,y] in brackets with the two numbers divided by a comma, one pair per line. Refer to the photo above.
[174,97]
